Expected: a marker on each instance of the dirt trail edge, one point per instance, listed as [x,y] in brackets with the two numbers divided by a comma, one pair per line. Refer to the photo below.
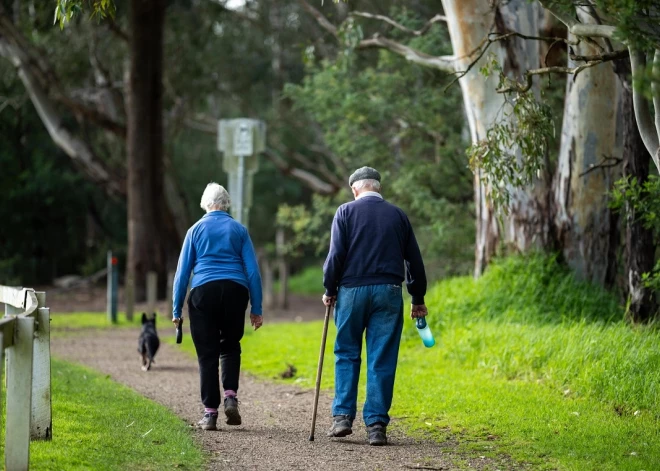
[276,418]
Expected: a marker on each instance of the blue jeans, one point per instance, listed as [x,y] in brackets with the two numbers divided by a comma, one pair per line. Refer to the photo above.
[379,310]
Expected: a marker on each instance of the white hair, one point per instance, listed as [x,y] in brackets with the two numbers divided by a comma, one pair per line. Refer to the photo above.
[214,198]
[366,183]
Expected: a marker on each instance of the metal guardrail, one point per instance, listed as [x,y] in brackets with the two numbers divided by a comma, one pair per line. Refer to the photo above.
[25,337]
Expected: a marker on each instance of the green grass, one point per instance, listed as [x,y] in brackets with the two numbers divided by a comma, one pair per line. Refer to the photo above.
[71,322]
[99,424]
[529,363]
[308,282]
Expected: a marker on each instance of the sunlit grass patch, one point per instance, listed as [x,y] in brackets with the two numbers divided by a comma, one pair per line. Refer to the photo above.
[99,424]
[62,323]
[529,363]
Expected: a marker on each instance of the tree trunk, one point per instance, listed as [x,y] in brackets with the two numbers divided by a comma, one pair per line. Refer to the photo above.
[527,225]
[153,242]
[591,149]
[640,248]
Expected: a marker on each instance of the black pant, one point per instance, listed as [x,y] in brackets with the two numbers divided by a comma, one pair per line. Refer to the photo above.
[217,322]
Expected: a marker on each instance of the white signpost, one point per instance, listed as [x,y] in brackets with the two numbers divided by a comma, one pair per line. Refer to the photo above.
[240,140]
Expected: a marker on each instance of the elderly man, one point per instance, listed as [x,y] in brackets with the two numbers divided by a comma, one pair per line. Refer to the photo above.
[372,244]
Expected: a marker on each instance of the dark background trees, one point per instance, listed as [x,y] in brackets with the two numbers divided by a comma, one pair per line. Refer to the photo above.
[131,104]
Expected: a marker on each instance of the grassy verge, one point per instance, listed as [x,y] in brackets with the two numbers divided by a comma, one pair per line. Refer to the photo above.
[62,323]
[99,424]
[308,282]
[529,363]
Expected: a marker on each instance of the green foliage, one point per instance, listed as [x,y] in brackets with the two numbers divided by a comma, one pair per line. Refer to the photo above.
[308,282]
[66,10]
[643,201]
[379,110]
[515,148]
[637,21]
[534,289]
[529,364]
[53,222]
[309,226]
[99,424]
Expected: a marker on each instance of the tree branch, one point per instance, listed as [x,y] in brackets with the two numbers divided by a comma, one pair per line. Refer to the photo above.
[320,18]
[20,50]
[607,56]
[443,63]
[579,29]
[645,121]
[516,86]
[77,149]
[309,179]
[116,29]
[655,87]
[607,162]
[399,26]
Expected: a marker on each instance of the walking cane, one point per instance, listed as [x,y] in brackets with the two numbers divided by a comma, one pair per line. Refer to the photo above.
[320,370]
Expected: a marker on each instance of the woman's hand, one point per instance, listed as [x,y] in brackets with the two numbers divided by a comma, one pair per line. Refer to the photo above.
[256,321]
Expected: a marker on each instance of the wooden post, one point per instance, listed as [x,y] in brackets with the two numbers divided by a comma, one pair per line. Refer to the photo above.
[112,288]
[267,278]
[152,292]
[282,268]
[2,367]
[41,420]
[19,396]
[129,295]
[170,286]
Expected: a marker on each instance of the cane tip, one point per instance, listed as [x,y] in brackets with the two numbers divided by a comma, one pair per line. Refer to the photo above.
[311,438]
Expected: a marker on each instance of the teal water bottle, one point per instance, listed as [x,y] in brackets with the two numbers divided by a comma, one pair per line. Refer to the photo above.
[425,332]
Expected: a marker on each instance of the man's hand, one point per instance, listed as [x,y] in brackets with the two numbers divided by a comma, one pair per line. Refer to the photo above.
[329,300]
[418,310]
[176,320]
[256,321]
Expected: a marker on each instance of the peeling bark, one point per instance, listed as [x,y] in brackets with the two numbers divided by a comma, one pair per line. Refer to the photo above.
[591,147]
[527,225]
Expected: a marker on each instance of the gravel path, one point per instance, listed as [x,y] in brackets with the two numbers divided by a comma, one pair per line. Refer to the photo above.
[275,417]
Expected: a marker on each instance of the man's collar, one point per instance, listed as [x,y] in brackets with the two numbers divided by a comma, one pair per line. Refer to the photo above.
[369,193]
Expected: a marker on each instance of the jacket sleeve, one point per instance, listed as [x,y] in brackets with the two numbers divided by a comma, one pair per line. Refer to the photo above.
[253,275]
[415,273]
[182,276]
[334,263]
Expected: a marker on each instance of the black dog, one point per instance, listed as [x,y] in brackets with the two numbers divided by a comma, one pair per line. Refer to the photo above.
[148,342]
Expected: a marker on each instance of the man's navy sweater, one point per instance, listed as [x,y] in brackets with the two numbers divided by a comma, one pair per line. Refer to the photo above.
[372,243]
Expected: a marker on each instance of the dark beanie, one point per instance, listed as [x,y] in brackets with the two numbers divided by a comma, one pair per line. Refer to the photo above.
[364,173]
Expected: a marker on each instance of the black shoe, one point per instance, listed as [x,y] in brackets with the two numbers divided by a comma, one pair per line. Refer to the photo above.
[377,434]
[231,411]
[341,426]
[208,422]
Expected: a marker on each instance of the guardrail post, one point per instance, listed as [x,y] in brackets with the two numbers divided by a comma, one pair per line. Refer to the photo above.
[152,292]
[41,423]
[19,396]
[2,367]
[112,288]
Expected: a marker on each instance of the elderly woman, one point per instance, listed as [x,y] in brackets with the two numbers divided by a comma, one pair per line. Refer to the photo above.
[219,252]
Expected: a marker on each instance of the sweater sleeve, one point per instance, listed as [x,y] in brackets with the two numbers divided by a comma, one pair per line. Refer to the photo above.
[253,275]
[415,273]
[182,276]
[334,263]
